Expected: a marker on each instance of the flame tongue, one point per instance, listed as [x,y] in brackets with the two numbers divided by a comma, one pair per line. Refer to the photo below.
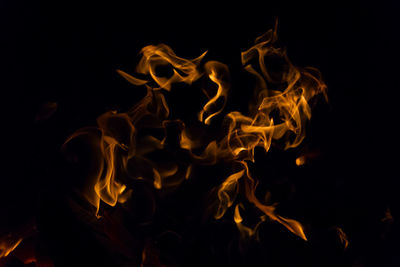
[154,56]
[279,115]
[130,144]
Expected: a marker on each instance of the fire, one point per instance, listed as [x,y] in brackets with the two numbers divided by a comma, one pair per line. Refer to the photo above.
[388,216]
[342,237]
[219,74]
[160,55]
[7,245]
[300,161]
[123,144]
[279,113]
[245,231]
[109,150]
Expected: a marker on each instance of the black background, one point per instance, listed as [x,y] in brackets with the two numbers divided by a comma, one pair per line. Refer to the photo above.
[55,51]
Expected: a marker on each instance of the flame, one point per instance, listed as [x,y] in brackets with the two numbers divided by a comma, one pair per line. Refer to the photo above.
[279,112]
[227,192]
[188,171]
[277,115]
[246,231]
[307,157]
[184,70]
[111,147]
[269,210]
[387,216]
[7,245]
[219,74]
[300,160]
[343,237]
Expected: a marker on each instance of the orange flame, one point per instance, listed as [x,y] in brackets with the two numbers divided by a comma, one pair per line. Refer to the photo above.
[343,237]
[227,192]
[277,115]
[184,70]
[218,73]
[246,231]
[280,114]
[388,216]
[7,245]
[112,146]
